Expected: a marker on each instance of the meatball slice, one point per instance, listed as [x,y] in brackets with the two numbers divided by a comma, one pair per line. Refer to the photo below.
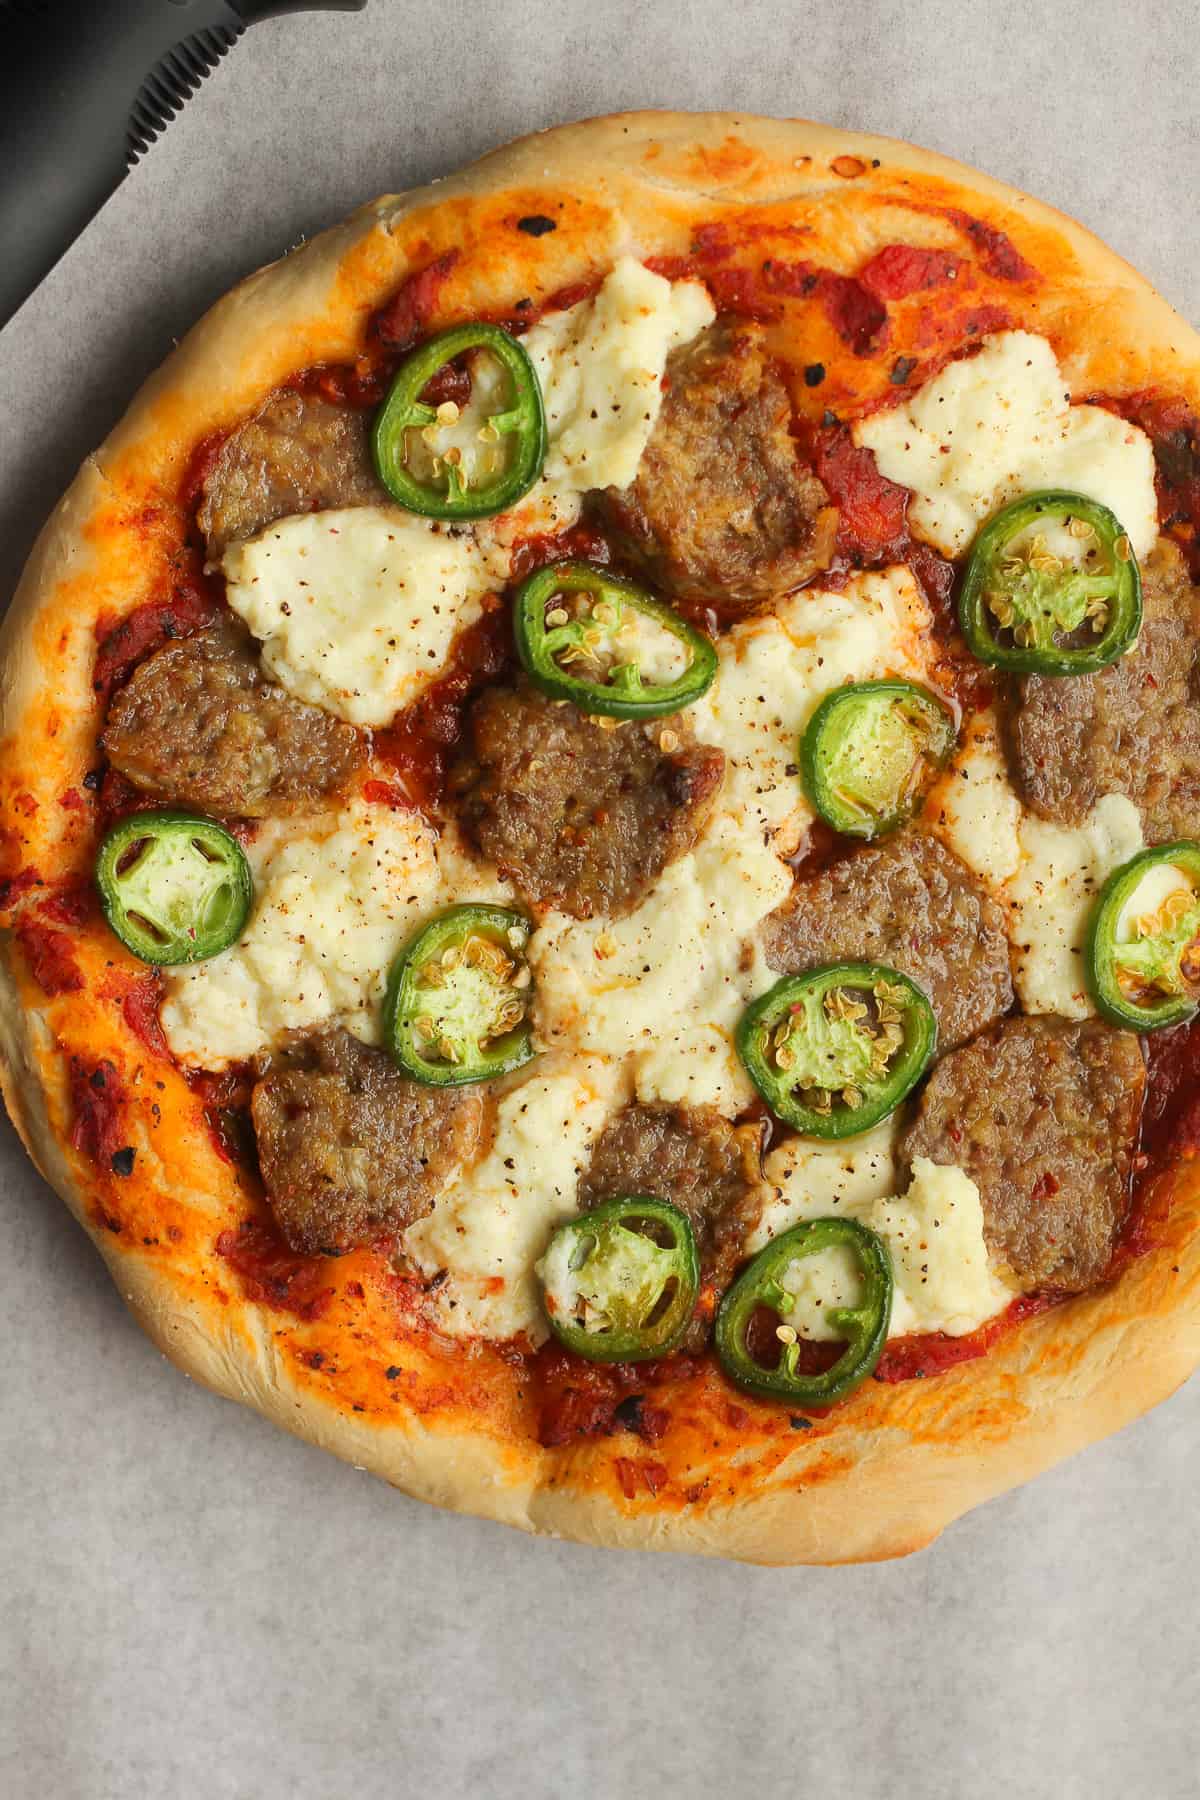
[198,723]
[708,1168]
[911,903]
[581,817]
[1133,728]
[350,1150]
[723,509]
[297,454]
[1043,1115]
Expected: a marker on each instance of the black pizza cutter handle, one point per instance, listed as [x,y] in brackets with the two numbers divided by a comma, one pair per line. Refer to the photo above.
[85,88]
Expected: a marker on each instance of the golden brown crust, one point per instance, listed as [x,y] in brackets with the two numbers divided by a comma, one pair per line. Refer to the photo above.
[885,1473]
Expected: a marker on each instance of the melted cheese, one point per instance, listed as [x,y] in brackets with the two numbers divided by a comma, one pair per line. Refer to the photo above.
[335,900]
[357,609]
[973,808]
[774,669]
[811,1179]
[668,982]
[601,365]
[934,1235]
[1051,895]
[490,1227]
[999,424]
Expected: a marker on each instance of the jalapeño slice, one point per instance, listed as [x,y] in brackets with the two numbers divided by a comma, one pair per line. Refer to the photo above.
[1143,945]
[590,637]
[619,1283]
[868,751]
[175,888]
[444,461]
[835,1050]
[457,1003]
[864,1327]
[1052,587]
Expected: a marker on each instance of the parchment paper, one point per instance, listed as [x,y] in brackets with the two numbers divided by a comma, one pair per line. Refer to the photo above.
[194,1605]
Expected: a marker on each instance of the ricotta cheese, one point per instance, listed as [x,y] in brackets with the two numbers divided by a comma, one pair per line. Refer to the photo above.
[601,365]
[999,424]
[335,899]
[668,982]
[804,1174]
[973,808]
[490,1227]
[357,608]
[774,670]
[934,1234]
[1051,895]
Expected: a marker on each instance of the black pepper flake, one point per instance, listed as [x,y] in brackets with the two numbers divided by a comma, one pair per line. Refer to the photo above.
[798,1422]
[97,1080]
[814,374]
[524,305]
[92,780]
[393,1371]
[122,1160]
[536,224]
[830,419]
[902,368]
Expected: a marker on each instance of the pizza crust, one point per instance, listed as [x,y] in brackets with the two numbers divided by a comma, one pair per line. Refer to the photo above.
[885,1473]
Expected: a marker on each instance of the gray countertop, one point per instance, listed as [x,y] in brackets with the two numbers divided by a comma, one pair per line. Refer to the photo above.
[195,1605]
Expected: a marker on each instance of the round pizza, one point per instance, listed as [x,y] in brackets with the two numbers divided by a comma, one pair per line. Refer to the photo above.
[601,841]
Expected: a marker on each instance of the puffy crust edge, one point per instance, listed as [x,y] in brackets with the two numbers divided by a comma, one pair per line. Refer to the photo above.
[905,1461]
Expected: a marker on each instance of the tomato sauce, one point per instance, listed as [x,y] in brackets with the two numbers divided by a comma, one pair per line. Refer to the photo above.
[272,1274]
[123,644]
[419,743]
[97,1105]
[576,1398]
[1174,431]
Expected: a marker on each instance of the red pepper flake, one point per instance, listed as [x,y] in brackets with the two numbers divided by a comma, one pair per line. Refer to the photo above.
[272,1274]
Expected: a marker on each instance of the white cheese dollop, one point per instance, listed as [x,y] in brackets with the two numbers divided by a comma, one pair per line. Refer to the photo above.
[973,808]
[358,608]
[998,424]
[934,1235]
[669,981]
[1062,870]
[601,365]
[775,669]
[335,899]
[490,1227]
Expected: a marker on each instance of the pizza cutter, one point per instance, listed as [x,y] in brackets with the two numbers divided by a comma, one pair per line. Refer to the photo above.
[86,86]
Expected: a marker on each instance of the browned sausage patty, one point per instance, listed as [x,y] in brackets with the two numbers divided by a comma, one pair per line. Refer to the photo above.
[1132,729]
[298,454]
[198,723]
[722,508]
[702,1164]
[580,817]
[350,1150]
[908,902]
[1043,1116]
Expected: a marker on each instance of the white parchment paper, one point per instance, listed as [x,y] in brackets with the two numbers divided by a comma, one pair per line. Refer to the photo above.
[192,1604]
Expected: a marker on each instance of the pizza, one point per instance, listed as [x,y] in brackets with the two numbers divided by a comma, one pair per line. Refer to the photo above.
[601,841]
